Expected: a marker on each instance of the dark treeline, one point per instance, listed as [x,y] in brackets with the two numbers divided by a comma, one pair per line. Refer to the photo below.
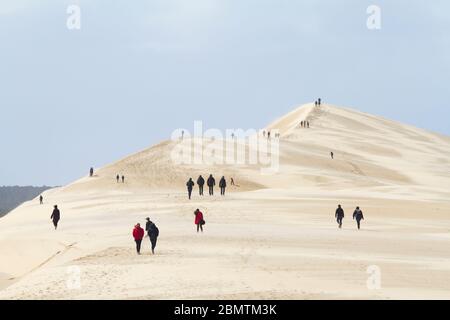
[12,197]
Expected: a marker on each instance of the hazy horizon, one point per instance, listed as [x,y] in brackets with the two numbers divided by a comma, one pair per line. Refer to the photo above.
[133,73]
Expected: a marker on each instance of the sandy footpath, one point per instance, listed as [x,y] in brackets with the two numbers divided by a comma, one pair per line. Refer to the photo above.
[273,237]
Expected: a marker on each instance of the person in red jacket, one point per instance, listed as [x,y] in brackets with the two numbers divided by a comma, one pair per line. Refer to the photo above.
[138,235]
[199,220]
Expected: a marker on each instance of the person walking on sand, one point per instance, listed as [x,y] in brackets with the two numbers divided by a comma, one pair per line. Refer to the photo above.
[200,183]
[123,179]
[153,233]
[358,215]
[232,181]
[117,178]
[91,172]
[190,186]
[222,185]
[199,221]
[41,199]
[56,216]
[332,155]
[319,102]
[138,235]
[211,183]
[339,216]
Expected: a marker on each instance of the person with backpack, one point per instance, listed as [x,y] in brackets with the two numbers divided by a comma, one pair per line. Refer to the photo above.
[199,221]
[358,215]
[56,216]
[153,233]
[339,215]
[211,183]
[200,183]
[138,235]
[190,186]
[222,185]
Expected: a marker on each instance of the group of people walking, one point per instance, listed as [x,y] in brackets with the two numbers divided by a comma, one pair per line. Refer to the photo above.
[318,102]
[118,178]
[304,124]
[152,232]
[210,182]
[357,215]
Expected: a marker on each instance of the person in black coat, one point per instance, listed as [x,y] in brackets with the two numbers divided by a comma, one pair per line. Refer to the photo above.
[222,185]
[56,216]
[201,183]
[211,183]
[190,186]
[358,215]
[153,233]
[339,216]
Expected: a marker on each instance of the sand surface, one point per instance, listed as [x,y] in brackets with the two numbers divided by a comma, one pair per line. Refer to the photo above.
[273,237]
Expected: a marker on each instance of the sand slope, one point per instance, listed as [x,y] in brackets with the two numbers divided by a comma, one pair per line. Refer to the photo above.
[273,236]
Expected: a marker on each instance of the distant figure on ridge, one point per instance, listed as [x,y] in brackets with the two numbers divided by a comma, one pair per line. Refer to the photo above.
[319,102]
[264,133]
[153,233]
[41,199]
[232,181]
[200,183]
[117,178]
[211,183]
[358,215]
[123,179]
[268,135]
[222,185]
[315,103]
[332,155]
[56,216]
[138,235]
[199,221]
[91,172]
[301,124]
[339,215]
[190,186]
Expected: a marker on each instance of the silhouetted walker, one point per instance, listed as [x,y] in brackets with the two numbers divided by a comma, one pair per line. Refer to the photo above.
[190,185]
[222,185]
[56,216]
[332,155]
[268,135]
[211,183]
[232,181]
[319,102]
[200,183]
[138,235]
[41,199]
[117,178]
[199,220]
[358,215]
[339,215]
[153,233]
[123,179]
[91,172]
[315,103]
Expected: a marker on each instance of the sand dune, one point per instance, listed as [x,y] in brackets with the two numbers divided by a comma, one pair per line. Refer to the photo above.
[273,236]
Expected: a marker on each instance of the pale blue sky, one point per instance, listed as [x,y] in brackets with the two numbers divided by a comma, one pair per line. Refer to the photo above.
[137,70]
